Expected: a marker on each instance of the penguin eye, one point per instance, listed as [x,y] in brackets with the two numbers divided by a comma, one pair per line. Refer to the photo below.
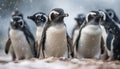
[43,18]
[21,23]
[110,14]
[90,18]
[38,17]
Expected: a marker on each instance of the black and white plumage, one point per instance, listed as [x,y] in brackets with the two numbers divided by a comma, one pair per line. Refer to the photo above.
[20,40]
[55,40]
[113,16]
[39,19]
[79,20]
[109,38]
[17,13]
[112,26]
[88,43]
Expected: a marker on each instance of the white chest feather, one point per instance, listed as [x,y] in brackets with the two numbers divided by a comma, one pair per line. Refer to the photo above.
[89,44]
[75,35]
[56,41]
[39,34]
[20,44]
[104,34]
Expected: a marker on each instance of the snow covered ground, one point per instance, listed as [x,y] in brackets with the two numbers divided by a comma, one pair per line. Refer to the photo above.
[56,63]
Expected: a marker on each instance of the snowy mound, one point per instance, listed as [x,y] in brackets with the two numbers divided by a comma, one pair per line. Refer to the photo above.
[59,63]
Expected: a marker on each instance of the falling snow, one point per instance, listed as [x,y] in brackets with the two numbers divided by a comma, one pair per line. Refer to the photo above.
[73,7]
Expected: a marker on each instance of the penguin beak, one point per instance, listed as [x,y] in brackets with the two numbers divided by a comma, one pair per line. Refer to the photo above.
[103,15]
[30,17]
[76,18]
[65,14]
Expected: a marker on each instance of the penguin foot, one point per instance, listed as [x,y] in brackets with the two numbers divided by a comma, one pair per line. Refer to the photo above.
[110,58]
[13,59]
[104,57]
[72,55]
[21,58]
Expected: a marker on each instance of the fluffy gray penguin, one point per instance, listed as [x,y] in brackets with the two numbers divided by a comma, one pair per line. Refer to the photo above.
[79,20]
[109,35]
[20,39]
[55,40]
[112,14]
[88,43]
[39,19]
[112,26]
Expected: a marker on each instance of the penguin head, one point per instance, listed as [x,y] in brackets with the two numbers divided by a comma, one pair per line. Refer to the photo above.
[17,22]
[17,13]
[107,21]
[93,17]
[112,14]
[80,19]
[39,18]
[57,15]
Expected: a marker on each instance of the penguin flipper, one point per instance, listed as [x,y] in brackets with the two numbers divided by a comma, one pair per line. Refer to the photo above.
[7,46]
[36,46]
[70,46]
[78,37]
[73,31]
[104,54]
[31,40]
[102,46]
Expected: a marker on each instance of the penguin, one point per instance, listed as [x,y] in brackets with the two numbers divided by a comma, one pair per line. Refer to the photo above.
[88,42]
[112,14]
[20,39]
[55,40]
[39,19]
[79,20]
[18,13]
[112,26]
[109,38]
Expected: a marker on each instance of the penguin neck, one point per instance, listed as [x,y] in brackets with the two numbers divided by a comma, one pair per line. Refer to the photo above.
[94,22]
[14,28]
[39,29]
[58,20]
[40,24]
[39,32]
